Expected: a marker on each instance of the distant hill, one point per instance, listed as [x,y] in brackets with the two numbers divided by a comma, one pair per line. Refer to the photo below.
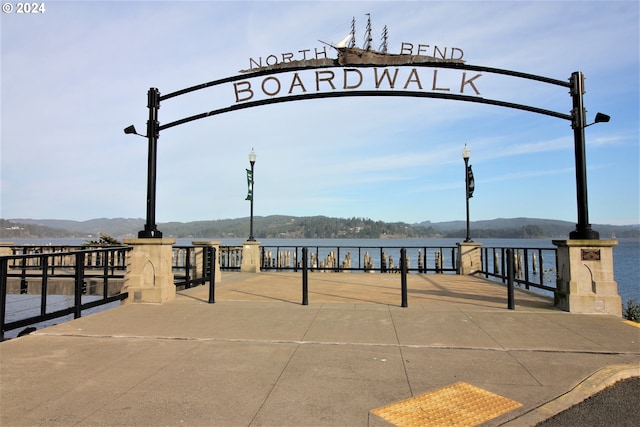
[112,226]
[535,227]
[282,226]
[11,229]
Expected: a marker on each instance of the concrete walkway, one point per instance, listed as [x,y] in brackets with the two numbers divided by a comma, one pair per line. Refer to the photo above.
[351,357]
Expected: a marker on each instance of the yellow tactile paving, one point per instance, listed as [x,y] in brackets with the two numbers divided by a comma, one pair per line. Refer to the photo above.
[632,323]
[459,404]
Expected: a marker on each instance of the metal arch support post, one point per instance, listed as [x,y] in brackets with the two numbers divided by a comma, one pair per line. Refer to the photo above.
[153,133]
[583,228]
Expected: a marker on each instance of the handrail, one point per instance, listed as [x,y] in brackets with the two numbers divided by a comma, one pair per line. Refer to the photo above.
[383,259]
[186,263]
[95,265]
[529,266]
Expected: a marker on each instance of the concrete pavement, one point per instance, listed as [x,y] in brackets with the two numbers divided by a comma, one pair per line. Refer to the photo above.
[258,357]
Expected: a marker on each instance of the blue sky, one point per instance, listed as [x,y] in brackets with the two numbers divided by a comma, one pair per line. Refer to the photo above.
[76,75]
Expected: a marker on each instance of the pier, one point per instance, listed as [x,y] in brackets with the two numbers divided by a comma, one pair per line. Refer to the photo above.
[352,356]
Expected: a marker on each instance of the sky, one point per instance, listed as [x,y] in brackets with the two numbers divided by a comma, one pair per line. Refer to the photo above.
[76,74]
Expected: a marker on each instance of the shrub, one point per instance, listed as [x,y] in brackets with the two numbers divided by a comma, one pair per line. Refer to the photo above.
[631,311]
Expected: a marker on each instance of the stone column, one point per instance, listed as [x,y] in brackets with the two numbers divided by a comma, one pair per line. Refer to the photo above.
[250,257]
[199,249]
[149,276]
[585,282]
[469,257]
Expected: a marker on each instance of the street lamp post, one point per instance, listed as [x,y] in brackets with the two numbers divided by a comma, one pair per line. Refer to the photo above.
[252,161]
[466,153]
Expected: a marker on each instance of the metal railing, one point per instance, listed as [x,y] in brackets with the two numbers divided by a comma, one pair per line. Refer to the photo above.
[230,257]
[402,269]
[188,270]
[532,267]
[92,276]
[420,259]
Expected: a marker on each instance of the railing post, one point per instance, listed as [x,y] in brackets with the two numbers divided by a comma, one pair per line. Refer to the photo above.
[187,267]
[107,258]
[403,275]
[526,269]
[24,285]
[305,278]
[211,261]
[79,281]
[44,285]
[4,265]
[510,296]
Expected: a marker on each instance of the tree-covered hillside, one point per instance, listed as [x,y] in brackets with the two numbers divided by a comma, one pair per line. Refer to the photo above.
[316,227]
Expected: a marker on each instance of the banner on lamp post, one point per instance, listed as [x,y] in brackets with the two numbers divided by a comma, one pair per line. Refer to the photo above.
[471,181]
[249,185]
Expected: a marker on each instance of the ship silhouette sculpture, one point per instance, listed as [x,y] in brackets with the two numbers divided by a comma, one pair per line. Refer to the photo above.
[349,54]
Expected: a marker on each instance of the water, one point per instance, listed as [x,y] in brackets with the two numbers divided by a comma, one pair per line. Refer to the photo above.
[626,256]
[626,269]
[25,306]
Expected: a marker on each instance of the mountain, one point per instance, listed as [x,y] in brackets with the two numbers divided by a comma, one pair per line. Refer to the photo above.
[93,227]
[282,226]
[497,223]
[527,227]
[10,229]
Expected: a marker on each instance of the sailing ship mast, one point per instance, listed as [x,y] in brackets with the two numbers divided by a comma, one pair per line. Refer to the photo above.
[385,35]
[367,37]
[352,41]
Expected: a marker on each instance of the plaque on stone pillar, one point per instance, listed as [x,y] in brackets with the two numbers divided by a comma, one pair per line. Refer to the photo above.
[590,254]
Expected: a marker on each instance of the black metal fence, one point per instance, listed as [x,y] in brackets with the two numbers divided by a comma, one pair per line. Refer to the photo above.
[420,259]
[402,269]
[532,267]
[92,276]
[230,257]
[188,270]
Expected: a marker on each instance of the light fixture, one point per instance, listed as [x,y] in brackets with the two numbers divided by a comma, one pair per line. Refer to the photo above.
[132,130]
[600,118]
[466,153]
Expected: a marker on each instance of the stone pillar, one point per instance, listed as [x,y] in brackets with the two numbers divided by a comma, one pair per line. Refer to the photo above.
[469,257]
[199,260]
[5,248]
[585,282]
[149,276]
[250,257]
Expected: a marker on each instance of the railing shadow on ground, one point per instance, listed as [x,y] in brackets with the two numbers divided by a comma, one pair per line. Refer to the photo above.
[527,299]
[372,289]
[530,267]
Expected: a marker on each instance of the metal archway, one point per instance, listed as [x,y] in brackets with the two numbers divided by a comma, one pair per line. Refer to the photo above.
[575,84]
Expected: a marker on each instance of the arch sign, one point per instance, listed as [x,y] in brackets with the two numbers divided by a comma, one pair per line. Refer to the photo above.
[418,70]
